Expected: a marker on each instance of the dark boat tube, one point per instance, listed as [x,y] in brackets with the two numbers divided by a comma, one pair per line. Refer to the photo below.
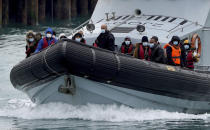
[70,57]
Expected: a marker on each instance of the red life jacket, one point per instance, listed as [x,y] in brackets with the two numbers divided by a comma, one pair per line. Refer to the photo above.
[190,63]
[83,41]
[45,45]
[29,51]
[130,49]
[95,45]
[141,52]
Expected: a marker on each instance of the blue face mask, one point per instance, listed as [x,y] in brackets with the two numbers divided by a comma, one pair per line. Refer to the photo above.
[31,39]
[78,39]
[103,30]
[145,44]
[175,43]
[151,45]
[186,47]
[127,42]
[49,35]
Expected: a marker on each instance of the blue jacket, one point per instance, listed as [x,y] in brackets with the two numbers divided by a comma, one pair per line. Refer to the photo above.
[41,42]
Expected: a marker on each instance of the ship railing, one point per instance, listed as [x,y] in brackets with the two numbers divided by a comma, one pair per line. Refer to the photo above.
[80,27]
[175,29]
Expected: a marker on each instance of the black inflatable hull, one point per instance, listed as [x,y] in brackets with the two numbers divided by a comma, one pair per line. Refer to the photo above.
[70,57]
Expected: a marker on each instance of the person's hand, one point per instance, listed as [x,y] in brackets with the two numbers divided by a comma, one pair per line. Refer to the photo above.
[195,54]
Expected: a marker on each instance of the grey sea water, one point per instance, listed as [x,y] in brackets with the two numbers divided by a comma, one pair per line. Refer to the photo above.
[18,112]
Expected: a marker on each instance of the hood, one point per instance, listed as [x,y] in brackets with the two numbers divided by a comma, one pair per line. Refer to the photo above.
[49,30]
[144,39]
[175,38]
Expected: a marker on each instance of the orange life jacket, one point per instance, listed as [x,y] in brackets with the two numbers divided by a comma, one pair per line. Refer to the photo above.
[176,55]
[166,45]
[164,49]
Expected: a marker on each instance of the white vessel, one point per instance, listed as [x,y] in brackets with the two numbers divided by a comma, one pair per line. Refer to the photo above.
[78,74]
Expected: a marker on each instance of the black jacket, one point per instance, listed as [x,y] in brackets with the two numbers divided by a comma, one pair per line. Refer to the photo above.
[30,48]
[157,54]
[106,41]
[183,56]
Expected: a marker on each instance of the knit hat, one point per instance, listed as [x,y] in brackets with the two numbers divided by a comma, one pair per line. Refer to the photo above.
[144,39]
[127,37]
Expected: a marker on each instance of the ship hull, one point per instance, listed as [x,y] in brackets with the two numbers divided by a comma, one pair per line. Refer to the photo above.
[78,74]
[83,91]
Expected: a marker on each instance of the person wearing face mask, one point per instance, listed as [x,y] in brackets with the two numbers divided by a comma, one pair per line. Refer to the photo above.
[190,58]
[31,43]
[173,51]
[105,39]
[46,41]
[142,50]
[157,54]
[127,47]
[79,37]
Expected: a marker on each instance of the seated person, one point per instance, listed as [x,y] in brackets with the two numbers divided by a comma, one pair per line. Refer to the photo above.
[38,37]
[46,41]
[142,51]
[62,36]
[30,43]
[105,39]
[190,57]
[156,50]
[54,35]
[79,37]
[127,47]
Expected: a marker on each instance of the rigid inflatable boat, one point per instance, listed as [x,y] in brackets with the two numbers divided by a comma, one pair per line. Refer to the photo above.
[119,72]
[74,73]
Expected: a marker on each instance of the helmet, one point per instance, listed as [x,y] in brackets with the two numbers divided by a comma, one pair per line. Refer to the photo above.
[186,42]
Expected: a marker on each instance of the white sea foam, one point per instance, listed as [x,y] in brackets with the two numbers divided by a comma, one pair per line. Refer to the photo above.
[25,109]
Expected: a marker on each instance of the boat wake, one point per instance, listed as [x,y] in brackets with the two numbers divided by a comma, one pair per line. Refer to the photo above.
[25,109]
